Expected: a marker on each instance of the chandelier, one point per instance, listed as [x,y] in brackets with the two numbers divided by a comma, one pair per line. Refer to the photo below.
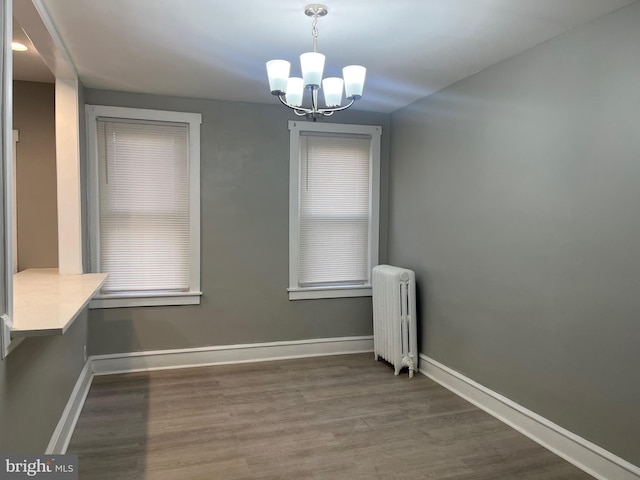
[290,90]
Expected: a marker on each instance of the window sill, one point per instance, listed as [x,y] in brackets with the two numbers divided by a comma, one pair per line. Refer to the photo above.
[145,300]
[47,303]
[311,293]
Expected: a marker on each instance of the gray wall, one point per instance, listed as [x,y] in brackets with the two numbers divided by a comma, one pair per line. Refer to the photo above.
[36,189]
[515,196]
[36,380]
[244,228]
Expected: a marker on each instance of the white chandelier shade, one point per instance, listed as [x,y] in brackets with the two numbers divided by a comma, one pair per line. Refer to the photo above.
[295,91]
[332,88]
[290,90]
[354,76]
[312,65]
[278,72]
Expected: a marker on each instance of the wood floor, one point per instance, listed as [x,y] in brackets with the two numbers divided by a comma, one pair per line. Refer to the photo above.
[342,417]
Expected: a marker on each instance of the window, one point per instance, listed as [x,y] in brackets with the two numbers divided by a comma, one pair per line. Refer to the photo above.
[144,205]
[333,209]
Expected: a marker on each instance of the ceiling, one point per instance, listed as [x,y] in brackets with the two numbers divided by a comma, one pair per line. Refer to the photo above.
[217,49]
[28,65]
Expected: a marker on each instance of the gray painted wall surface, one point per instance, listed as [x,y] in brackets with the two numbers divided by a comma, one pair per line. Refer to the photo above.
[36,380]
[36,192]
[244,228]
[515,196]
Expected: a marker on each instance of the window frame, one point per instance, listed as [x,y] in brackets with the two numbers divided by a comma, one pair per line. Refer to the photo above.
[296,128]
[138,299]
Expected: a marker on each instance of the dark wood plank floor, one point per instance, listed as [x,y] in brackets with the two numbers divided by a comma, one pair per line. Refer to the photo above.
[342,417]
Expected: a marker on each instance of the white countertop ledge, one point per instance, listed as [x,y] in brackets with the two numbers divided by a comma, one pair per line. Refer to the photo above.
[47,303]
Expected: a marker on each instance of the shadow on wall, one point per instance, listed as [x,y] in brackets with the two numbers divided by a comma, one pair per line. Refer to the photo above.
[36,381]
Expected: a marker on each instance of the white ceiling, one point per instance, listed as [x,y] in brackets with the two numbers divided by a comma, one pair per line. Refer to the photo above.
[28,65]
[217,48]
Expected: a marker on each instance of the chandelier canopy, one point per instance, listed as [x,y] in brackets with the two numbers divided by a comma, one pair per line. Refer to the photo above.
[290,90]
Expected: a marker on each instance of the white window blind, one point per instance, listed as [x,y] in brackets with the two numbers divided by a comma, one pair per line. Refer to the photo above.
[144,231]
[334,209]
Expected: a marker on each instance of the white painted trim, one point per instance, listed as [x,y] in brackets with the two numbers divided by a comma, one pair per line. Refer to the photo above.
[67,423]
[191,357]
[228,354]
[297,292]
[194,122]
[8,342]
[14,205]
[51,47]
[68,177]
[97,111]
[36,22]
[329,292]
[585,455]
[294,205]
[119,301]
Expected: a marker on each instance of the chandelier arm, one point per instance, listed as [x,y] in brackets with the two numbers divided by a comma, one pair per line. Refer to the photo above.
[330,111]
[297,110]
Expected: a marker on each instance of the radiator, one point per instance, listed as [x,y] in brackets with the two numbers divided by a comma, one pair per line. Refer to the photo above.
[394,317]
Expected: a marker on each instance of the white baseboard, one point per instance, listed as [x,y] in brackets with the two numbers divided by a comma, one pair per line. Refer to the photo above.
[252,352]
[62,434]
[587,456]
[192,357]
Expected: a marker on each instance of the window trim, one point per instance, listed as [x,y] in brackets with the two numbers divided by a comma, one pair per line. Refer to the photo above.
[297,292]
[135,299]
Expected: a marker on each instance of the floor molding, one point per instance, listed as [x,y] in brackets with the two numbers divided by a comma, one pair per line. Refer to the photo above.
[587,456]
[62,434]
[226,354]
[192,357]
